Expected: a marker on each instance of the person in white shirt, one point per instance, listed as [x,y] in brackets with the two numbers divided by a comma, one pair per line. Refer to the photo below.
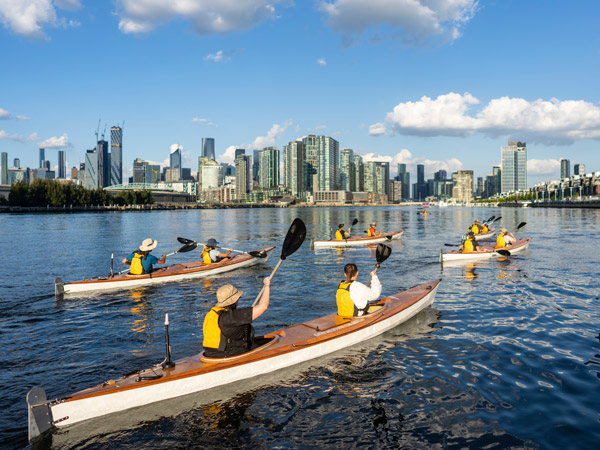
[352,296]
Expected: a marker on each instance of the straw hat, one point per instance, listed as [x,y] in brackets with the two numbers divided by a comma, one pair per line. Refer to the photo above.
[477,221]
[373,224]
[148,244]
[503,230]
[227,295]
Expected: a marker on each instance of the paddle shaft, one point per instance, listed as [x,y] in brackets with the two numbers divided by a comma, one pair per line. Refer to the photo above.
[263,288]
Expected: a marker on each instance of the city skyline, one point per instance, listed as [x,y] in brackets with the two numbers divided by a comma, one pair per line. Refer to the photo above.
[447,89]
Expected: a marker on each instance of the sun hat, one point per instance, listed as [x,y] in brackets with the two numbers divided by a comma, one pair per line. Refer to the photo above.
[476,221]
[212,243]
[227,295]
[503,230]
[148,244]
[373,224]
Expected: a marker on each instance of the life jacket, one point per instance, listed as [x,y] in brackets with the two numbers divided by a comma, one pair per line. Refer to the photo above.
[484,229]
[475,229]
[372,231]
[468,245]
[213,336]
[345,305]
[500,242]
[339,236]
[206,256]
[136,264]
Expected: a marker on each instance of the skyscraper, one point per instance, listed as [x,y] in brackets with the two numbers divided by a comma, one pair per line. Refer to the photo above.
[311,161]
[42,157]
[268,172]
[382,178]
[404,178]
[420,187]
[175,161]
[103,163]
[208,148]
[243,167]
[578,169]
[17,163]
[239,152]
[514,167]
[62,163]
[116,156]
[565,170]
[463,185]
[139,170]
[91,170]
[328,149]
[293,167]
[359,173]
[4,177]
[347,175]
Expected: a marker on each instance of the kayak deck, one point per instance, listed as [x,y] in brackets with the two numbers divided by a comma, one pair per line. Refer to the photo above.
[359,240]
[490,251]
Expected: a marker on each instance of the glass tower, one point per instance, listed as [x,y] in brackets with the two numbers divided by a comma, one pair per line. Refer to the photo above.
[514,167]
[268,168]
[208,148]
[293,167]
[42,157]
[175,161]
[347,179]
[116,156]
[62,162]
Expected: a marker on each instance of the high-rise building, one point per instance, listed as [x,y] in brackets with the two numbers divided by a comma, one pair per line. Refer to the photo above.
[310,148]
[91,170]
[293,167]
[212,176]
[255,168]
[62,164]
[268,168]
[347,175]
[463,185]
[17,163]
[103,163]
[152,174]
[382,178]
[139,170]
[175,162]
[369,176]
[420,187]
[116,156]
[359,173]
[329,162]
[42,155]
[578,169]
[514,167]
[404,178]
[208,148]
[239,152]
[243,169]
[565,170]
[4,177]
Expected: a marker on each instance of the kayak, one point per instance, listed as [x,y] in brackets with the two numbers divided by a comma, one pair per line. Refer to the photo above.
[490,252]
[283,348]
[488,235]
[176,272]
[359,240]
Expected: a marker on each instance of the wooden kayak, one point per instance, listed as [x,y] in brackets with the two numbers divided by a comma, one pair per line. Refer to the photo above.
[359,240]
[176,272]
[284,348]
[489,252]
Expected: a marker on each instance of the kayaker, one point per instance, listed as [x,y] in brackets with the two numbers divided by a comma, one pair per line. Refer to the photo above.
[470,244]
[210,254]
[484,228]
[353,297]
[141,261]
[475,228]
[372,231]
[340,234]
[227,329]
[504,238]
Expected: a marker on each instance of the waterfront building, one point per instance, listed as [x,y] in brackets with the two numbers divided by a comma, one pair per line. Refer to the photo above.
[395,191]
[228,169]
[381,178]
[4,176]
[243,172]
[103,163]
[116,156]
[293,167]
[208,148]
[139,170]
[203,161]
[463,185]
[152,173]
[62,164]
[255,168]
[175,162]
[369,176]
[212,177]
[347,171]
[565,171]
[91,170]
[42,155]
[404,178]
[579,169]
[328,151]
[74,173]
[514,167]
[268,168]
[359,173]
[310,148]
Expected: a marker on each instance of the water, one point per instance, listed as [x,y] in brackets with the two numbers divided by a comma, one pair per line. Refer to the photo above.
[508,356]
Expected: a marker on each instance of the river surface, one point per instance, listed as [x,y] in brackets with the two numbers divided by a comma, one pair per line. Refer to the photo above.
[508,356]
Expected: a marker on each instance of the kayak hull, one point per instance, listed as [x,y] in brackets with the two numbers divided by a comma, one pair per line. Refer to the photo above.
[519,246]
[359,240]
[176,272]
[287,347]
[488,235]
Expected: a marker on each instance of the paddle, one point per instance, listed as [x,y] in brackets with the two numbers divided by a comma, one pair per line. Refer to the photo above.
[497,219]
[186,248]
[292,242]
[503,252]
[354,222]
[255,253]
[382,253]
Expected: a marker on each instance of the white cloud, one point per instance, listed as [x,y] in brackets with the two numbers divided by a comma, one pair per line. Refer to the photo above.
[221,56]
[205,16]
[266,141]
[206,121]
[229,155]
[417,20]
[320,127]
[27,17]
[20,117]
[4,114]
[56,142]
[377,129]
[32,137]
[13,137]
[321,62]
[543,166]
[404,156]
[549,122]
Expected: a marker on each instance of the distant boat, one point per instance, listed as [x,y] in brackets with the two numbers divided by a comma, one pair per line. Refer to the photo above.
[442,204]
[425,205]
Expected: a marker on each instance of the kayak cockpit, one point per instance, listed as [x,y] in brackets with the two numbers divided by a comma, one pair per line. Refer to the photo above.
[260,344]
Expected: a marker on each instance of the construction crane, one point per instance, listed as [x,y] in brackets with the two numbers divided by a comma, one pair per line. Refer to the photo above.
[104,132]
[97,129]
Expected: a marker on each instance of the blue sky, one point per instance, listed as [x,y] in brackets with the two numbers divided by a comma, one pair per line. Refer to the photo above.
[445,83]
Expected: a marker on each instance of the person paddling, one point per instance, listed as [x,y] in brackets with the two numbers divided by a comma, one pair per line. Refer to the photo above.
[353,297]
[475,228]
[470,244]
[340,234]
[504,238]
[372,231]
[228,331]
[141,261]
[210,254]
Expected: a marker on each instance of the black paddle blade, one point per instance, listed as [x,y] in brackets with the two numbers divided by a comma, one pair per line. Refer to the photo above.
[450,245]
[497,219]
[258,254]
[184,240]
[382,253]
[188,247]
[294,238]
[521,225]
[491,218]
[503,252]
[354,222]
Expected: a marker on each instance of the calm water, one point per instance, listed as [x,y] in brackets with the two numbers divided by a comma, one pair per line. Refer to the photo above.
[508,356]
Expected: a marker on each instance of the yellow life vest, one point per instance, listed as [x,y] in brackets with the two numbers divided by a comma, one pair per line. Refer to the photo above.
[475,229]
[206,257]
[338,235]
[345,305]
[136,264]
[500,242]
[484,229]
[372,231]
[468,246]
[213,337]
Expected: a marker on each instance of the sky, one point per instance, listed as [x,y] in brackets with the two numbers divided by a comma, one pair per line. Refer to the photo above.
[444,83]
